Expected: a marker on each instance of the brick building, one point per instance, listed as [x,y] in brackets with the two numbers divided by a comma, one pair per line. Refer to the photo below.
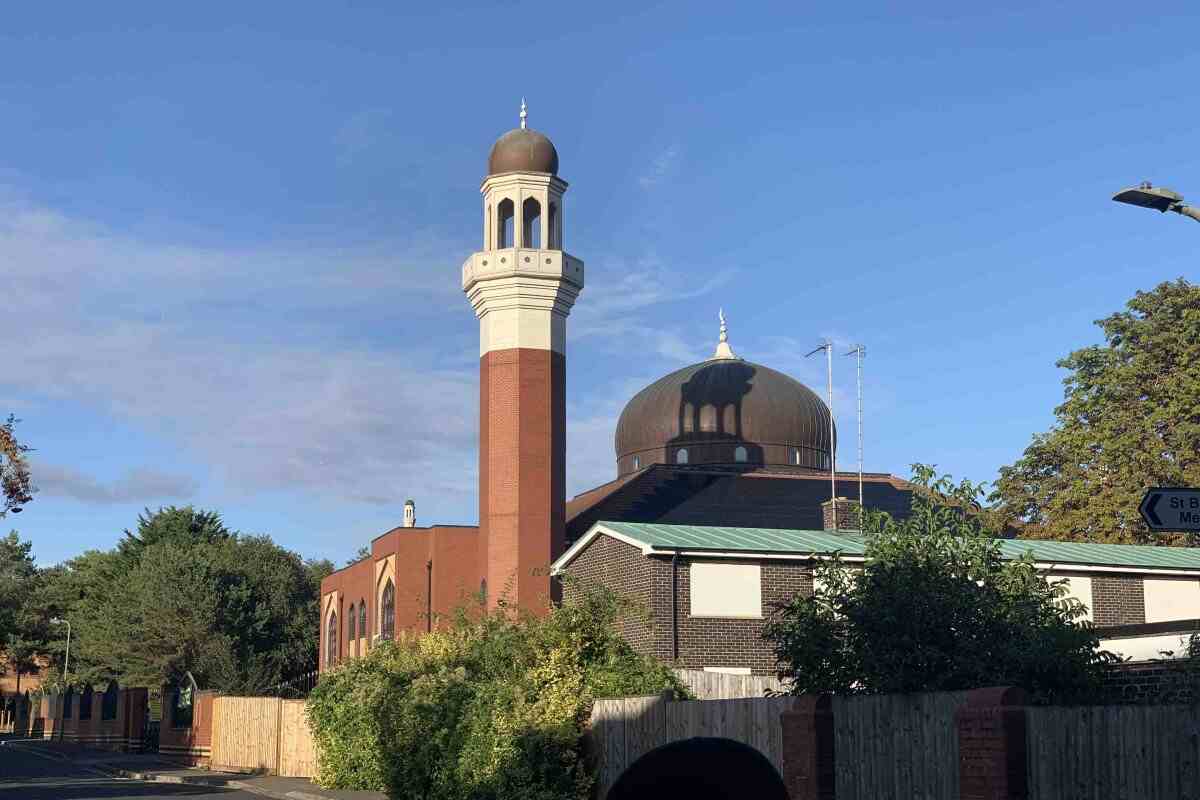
[722,450]
[709,589]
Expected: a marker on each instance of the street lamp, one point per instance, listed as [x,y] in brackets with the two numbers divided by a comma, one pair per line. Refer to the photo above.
[66,664]
[1158,198]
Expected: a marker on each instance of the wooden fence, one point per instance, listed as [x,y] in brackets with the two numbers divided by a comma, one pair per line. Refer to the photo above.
[897,746]
[624,729]
[262,735]
[723,686]
[1086,753]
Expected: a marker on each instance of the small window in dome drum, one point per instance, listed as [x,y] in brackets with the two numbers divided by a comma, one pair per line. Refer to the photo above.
[739,454]
[796,456]
[637,462]
[681,456]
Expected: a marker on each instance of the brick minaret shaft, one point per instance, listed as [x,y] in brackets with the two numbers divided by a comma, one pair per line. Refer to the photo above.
[522,287]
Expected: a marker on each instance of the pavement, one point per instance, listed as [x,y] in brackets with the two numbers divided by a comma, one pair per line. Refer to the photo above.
[38,770]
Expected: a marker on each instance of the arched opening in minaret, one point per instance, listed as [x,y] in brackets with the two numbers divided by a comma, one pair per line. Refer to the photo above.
[531,220]
[555,233]
[487,230]
[504,223]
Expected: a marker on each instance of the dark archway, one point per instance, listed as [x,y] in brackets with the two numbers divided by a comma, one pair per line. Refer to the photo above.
[701,769]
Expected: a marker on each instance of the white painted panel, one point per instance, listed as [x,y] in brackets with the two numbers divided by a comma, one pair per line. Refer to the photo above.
[729,670]
[1079,587]
[1144,648]
[1171,598]
[726,590]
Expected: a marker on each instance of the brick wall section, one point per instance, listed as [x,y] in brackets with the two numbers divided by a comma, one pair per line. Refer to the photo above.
[703,641]
[622,568]
[992,729]
[808,752]
[1118,600]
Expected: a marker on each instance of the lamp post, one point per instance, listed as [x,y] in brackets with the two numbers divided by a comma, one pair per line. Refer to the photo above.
[66,665]
[1157,198]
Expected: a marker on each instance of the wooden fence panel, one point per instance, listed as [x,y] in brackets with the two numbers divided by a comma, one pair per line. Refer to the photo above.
[897,746]
[297,753]
[246,733]
[724,686]
[1114,752]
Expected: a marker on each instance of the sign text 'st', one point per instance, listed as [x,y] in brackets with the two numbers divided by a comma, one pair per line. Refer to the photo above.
[1166,509]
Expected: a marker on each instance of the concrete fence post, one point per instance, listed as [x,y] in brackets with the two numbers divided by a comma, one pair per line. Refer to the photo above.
[992,727]
[808,748]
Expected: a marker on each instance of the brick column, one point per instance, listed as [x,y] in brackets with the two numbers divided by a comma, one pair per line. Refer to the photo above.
[848,515]
[991,745]
[808,756]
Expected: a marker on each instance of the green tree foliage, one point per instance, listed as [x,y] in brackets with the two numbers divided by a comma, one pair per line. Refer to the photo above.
[1130,420]
[935,608]
[184,593]
[24,618]
[16,487]
[491,707]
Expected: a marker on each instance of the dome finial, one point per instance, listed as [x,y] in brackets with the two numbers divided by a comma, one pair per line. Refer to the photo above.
[524,113]
[723,348]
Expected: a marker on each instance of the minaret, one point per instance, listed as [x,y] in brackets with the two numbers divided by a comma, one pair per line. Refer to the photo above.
[522,287]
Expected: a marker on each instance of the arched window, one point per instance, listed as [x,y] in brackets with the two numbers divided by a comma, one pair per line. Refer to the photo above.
[531,223]
[108,704]
[351,619]
[487,231]
[331,641]
[796,456]
[181,707]
[68,701]
[555,233]
[637,462]
[681,456]
[362,617]
[387,611]
[85,703]
[739,454]
[504,224]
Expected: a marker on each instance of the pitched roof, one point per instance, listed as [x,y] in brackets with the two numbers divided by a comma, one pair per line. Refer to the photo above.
[655,538]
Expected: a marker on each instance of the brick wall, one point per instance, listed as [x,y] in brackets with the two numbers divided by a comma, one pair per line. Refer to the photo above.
[1118,600]
[703,642]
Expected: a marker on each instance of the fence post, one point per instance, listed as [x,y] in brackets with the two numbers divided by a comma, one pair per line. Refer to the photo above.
[808,757]
[992,758]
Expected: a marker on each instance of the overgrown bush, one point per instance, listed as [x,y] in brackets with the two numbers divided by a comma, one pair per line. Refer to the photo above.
[493,706]
[935,608]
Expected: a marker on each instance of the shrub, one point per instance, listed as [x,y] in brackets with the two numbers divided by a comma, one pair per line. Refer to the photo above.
[493,706]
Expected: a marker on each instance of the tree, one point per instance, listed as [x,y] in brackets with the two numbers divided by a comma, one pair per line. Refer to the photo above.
[23,617]
[16,486]
[363,552]
[1130,420]
[183,593]
[935,608]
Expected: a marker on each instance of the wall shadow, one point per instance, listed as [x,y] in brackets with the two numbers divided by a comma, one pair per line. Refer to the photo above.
[701,769]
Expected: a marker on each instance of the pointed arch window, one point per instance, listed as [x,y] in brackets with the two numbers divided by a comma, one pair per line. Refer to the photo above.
[531,223]
[504,224]
[85,703]
[387,611]
[331,641]
[362,617]
[108,705]
[351,619]
[555,233]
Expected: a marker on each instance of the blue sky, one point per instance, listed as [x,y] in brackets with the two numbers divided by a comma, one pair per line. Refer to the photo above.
[230,234]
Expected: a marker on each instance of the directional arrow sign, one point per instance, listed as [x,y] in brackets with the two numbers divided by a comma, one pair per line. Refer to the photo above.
[1171,509]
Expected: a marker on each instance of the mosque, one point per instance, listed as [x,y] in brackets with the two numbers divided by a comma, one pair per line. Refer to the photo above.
[723,492]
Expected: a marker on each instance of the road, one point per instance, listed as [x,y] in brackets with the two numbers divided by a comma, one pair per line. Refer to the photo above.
[28,776]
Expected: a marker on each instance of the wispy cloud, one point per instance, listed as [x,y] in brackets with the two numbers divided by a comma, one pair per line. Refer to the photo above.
[138,485]
[661,167]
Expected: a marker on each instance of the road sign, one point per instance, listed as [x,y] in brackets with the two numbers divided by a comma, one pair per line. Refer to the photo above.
[1166,509]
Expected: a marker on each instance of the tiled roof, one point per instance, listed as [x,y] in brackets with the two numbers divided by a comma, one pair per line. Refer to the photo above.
[715,538]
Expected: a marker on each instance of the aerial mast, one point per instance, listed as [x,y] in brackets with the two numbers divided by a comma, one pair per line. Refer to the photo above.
[827,346]
[860,351]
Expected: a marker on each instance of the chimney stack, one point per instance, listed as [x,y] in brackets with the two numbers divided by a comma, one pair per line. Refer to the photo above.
[841,514]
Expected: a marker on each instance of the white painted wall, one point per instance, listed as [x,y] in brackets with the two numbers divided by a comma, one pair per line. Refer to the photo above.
[726,590]
[1079,587]
[1144,648]
[1171,598]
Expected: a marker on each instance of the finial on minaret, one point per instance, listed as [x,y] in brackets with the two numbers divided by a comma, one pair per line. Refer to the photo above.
[524,113]
[723,348]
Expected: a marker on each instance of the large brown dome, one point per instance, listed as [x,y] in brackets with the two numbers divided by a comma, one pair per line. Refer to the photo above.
[523,150]
[724,411]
